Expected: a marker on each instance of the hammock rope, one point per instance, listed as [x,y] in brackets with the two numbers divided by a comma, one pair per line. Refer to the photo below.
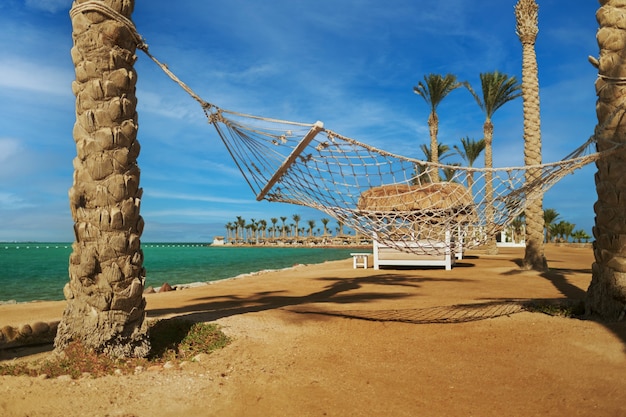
[377,193]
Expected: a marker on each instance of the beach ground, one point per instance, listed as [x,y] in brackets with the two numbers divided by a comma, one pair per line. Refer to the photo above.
[329,340]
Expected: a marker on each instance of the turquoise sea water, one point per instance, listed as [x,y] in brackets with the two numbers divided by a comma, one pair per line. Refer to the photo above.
[38,271]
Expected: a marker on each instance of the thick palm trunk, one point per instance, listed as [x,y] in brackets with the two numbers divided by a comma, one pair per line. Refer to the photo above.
[491,246]
[526,14]
[105,304]
[606,295]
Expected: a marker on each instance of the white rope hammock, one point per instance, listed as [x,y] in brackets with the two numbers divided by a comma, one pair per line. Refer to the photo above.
[374,192]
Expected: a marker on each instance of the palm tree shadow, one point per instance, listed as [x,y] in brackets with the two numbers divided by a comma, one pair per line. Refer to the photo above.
[338,291]
[575,297]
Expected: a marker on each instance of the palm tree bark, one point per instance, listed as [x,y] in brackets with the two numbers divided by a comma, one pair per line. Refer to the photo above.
[491,248]
[606,295]
[105,305]
[433,127]
[526,12]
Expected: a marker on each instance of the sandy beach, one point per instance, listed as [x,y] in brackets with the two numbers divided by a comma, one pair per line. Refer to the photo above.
[330,340]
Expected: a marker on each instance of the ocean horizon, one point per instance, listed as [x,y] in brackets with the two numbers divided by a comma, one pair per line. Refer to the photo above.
[38,271]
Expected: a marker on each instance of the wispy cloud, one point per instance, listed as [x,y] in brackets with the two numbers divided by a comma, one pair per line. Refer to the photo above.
[34,77]
[51,6]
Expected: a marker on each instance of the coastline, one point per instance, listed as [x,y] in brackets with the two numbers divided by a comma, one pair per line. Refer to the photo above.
[32,274]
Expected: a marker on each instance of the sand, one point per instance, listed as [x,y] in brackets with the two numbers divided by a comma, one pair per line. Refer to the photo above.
[329,340]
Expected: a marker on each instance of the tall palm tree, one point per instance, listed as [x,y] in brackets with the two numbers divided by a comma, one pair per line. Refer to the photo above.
[274,220]
[470,153]
[498,89]
[526,13]
[105,307]
[433,90]
[606,295]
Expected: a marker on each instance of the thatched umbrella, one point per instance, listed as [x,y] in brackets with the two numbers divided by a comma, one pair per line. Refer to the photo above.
[401,209]
[430,200]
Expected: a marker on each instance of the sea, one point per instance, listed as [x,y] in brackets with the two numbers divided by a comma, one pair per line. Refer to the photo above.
[38,271]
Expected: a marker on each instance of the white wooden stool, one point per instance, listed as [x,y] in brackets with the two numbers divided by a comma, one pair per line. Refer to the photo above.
[359,260]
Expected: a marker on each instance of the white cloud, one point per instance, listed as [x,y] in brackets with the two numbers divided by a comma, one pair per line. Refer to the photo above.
[35,77]
[51,6]
[191,197]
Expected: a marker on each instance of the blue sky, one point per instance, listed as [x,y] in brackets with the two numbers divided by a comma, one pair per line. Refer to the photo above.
[349,63]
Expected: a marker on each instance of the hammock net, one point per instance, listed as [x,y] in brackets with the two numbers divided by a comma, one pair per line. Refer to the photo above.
[377,193]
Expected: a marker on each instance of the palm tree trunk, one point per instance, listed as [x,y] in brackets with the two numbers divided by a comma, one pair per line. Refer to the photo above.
[526,13]
[606,295]
[105,303]
[490,247]
[433,126]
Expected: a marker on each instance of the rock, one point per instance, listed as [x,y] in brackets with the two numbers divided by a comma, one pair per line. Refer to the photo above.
[166,287]
[149,290]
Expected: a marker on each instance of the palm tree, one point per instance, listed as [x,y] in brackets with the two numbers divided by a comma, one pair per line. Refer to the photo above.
[433,90]
[449,171]
[241,224]
[580,235]
[498,89]
[229,227]
[283,219]
[274,220]
[105,308]
[470,153]
[606,295]
[296,219]
[443,152]
[526,13]
[262,227]
[325,222]
[311,224]
[549,218]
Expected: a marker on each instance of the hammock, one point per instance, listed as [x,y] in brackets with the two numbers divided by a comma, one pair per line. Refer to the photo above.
[391,197]
[378,193]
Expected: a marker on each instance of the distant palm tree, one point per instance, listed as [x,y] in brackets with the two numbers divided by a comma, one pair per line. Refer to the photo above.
[241,223]
[296,219]
[443,152]
[274,220]
[470,153]
[498,89]
[580,235]
[262,227]
[526,14]
[229,227]
[325,222]
[449,171]
[550,216]
[283,219]
[433,90]
[311,224]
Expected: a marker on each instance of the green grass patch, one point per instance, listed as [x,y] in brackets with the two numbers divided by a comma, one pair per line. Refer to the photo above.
[172,340]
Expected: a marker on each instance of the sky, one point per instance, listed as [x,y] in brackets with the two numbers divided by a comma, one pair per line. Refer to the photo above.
[349,63]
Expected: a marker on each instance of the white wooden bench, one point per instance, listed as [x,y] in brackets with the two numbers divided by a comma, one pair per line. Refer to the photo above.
[422,253]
